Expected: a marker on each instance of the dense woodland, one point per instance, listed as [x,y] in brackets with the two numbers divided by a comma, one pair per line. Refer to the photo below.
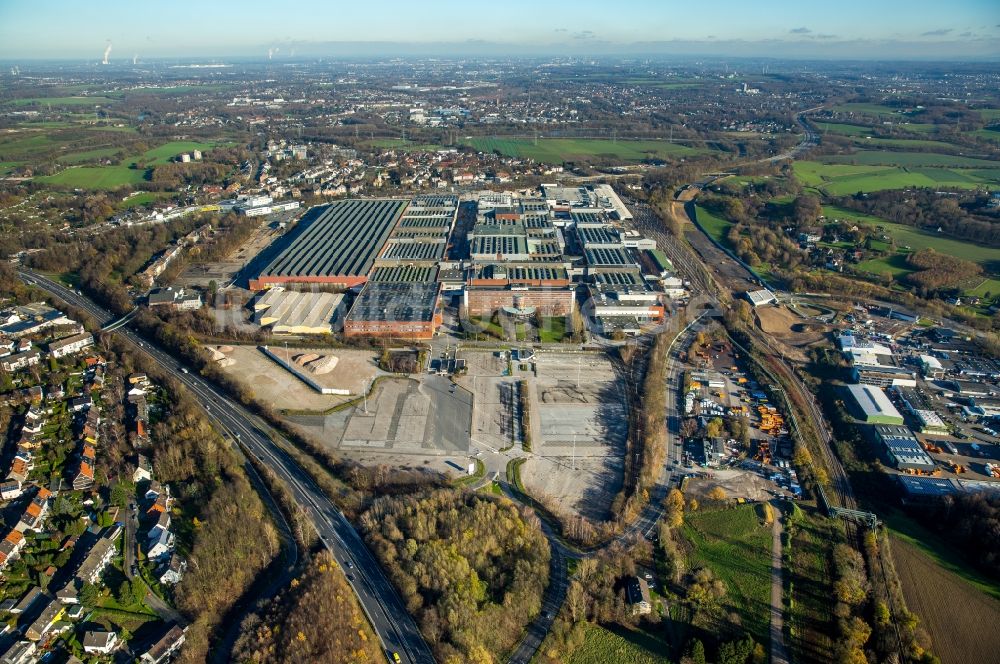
[315,620]
[935,271]
[471,568]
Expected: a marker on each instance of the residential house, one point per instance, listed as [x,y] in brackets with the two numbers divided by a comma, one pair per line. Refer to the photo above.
[36,511]
[20,652]
[20,360]
[28,601]
[160,504]
[165,647]
[98,558]
[51,614]
[10,489]
[10,547]
[99,642]
[79,404]
[154,490]
[21,467]
[173,570]
[160,545]
[84,477]
[70,345]
[637,591]
[143,470]
[162,523]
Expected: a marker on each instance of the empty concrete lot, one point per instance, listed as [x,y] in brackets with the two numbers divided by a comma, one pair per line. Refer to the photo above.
[578,397]
[420,415]
[579,430]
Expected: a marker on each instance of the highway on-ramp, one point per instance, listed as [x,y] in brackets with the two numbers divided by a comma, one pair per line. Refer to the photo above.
[380,601]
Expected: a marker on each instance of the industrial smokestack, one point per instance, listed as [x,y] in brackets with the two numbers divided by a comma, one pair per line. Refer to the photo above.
[135,59]
[107,52]
[271,52]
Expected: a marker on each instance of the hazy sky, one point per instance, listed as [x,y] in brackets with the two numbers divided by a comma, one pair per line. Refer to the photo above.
[216,28]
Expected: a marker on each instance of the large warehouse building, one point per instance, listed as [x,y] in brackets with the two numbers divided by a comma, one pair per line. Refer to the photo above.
[336,244]
[395,310]
[904,450]
[874,406]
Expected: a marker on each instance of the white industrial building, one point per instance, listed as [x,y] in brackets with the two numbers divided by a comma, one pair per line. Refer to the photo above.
[761,297]
[292,312]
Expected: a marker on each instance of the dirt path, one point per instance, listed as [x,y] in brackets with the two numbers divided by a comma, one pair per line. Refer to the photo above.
[779,655]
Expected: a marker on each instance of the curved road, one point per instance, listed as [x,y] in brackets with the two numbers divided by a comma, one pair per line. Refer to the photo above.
[385,609]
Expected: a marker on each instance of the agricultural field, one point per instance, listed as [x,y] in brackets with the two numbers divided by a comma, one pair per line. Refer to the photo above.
[663,85]
[736,545]
[810,584]
[85,155]
[601,646]
[904,143]
[960,619]
[558,150]
[842,129]
[990,114]
[842,179]
[910,159]
[94,100]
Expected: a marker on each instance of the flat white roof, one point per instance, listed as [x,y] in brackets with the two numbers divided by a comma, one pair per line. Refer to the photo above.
[762,296]
[930,362]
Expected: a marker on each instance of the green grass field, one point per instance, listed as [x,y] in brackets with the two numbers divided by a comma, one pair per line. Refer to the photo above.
[94,177]
[843,129]
[77,157]
[602,646]
[168,151]
[734,544]
[110,177]
[909,159]
[990,287]
[842,179]
[61,101]
[557,150]
[144,199]
[552,329]
[905,143]
[915,238]
[716,227]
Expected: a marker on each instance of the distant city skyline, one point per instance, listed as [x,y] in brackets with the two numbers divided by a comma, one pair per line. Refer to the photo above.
[849,29]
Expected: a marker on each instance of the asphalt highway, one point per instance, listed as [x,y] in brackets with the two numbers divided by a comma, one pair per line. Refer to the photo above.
[380,601]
